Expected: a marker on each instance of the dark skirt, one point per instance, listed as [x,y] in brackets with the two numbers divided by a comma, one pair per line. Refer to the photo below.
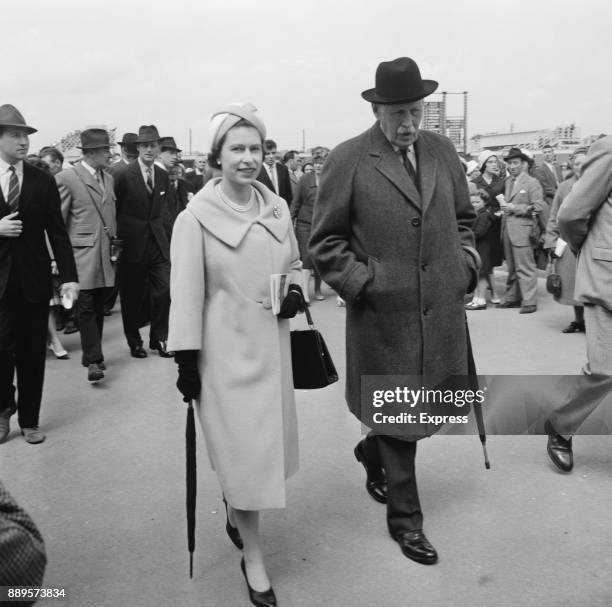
[490,249]
[302,234]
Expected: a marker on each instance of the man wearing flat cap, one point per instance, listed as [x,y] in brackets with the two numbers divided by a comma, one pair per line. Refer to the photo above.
[391,233]
[88,209]
[524,201]
[144,272]
[29,207]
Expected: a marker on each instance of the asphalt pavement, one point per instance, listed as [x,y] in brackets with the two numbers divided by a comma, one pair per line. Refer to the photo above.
[107,491]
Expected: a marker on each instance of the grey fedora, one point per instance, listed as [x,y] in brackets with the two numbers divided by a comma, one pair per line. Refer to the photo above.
[147,134]
[11,116]
[92,139]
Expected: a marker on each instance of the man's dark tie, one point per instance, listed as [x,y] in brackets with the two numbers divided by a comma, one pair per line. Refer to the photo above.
[13,193]
[150,180]
[408,166]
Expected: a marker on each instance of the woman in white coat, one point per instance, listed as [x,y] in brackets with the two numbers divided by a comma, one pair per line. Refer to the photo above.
[233,353]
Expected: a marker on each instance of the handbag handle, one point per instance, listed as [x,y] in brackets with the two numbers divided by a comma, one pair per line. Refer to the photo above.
[308,316]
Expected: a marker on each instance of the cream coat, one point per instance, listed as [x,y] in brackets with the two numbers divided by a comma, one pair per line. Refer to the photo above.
[220,280]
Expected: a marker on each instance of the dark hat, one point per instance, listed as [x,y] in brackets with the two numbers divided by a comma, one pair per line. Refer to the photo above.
[129,139]
[517,153]
[11,116]
[92,139]
[168,143]
[399,81]
[147,134]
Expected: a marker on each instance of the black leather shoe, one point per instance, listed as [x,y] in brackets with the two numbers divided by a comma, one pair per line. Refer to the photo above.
[376,484]
[509,304]
[232,532]
[416,546]
[94,373]
[574,327]
[138,352]
[162,349]
[267,598]
[70,327]
[528,309]
[559,449]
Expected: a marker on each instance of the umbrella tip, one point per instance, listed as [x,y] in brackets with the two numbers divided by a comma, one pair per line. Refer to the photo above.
[487,465]
[191,566]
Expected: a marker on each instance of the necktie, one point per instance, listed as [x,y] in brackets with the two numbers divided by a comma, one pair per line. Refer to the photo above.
[409,166]
[100,178]
[13,191]
[150,180]
[273,178]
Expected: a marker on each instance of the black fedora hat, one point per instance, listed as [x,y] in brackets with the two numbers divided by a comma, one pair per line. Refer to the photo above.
[517,153]
[147,134]
[128,139]
[11,116]
[399,81]
[168,143]
[92,139]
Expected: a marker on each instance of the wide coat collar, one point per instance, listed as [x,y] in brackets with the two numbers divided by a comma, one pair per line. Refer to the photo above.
[94,188]
[231,227]
[519,183]
[390,166]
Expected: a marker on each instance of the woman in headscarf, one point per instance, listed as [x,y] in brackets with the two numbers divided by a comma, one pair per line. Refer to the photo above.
[558,249]
[233,353]
[488,243]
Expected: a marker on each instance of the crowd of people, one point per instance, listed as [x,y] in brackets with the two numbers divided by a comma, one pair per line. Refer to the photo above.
[388,219]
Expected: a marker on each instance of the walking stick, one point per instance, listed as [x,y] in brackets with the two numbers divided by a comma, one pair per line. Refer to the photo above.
[190,453]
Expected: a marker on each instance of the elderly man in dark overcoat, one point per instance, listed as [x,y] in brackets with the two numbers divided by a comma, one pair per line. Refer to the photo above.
[392,235]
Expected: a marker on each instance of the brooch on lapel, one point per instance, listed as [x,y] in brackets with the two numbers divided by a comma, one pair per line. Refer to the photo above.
[276,211]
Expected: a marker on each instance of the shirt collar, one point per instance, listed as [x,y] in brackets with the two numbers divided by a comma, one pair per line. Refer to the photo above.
[89,168]
[143,167]
[4,167]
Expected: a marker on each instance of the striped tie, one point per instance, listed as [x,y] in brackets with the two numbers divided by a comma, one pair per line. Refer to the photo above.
[13,193]
[150,180]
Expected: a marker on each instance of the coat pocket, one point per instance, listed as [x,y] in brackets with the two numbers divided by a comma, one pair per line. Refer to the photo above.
[83,240]
[602,254]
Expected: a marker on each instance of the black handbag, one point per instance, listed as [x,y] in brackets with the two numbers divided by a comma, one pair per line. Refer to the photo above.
[553,280]
[310,359]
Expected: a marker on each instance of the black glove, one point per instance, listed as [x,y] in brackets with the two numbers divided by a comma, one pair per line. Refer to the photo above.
[293,303]
[188,382]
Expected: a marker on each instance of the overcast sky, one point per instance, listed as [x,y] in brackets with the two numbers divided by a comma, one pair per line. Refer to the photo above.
[67,64]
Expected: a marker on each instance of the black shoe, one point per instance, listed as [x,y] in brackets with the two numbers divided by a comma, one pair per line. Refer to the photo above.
[162,349]
[509,304]
[574,327]
[416,546]
[559,449]
[138,352]
[528,309]
[94,373]
[232,532]
[267,598]
[107,312]
[376,484]
[70,327]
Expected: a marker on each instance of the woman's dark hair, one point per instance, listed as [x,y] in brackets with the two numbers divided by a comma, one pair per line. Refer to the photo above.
[215,152]
[37,162]
[49,150]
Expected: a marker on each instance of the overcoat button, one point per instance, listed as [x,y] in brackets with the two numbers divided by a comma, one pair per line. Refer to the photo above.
[416,222]
[424,267]
[425,311]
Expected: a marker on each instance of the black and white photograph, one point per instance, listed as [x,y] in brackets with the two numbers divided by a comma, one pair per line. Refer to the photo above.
[306,304]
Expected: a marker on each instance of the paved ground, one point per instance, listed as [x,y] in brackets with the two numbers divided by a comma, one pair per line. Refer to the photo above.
[107,490]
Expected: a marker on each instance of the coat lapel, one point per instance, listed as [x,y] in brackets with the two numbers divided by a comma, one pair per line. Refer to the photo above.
[427,165]
[27,188]
[93,187]
[390,166]
[518,184]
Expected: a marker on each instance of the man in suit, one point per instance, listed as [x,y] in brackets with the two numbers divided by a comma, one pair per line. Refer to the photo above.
[197,176]
[274,175]
[523,200]
[392,235]
[585,222]
[88,209]
[144,272]
[290,160]
[548,174]
[29,207]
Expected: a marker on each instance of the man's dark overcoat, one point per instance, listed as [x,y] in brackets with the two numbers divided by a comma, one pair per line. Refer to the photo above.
[413,252]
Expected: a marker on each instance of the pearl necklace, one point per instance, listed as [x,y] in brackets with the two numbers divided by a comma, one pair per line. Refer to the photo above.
[232,205]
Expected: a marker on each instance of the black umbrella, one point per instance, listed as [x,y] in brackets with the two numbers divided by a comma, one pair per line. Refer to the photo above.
[190,446]
[473,381]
